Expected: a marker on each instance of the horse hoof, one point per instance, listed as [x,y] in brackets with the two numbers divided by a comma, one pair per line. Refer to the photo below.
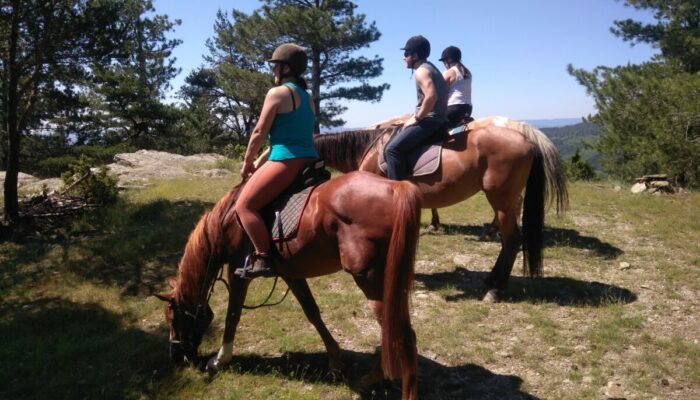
[212,366]
[491,296]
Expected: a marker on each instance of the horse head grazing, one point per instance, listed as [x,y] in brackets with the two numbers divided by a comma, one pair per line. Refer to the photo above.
[187,308]
[186,328]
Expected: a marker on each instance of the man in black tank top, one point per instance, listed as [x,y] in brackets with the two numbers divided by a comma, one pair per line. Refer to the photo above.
[430,117]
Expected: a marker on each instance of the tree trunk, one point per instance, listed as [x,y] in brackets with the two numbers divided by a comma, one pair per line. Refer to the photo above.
[12,128]
[316,85]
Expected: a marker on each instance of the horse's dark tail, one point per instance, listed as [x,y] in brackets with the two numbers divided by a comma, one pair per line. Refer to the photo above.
[533,219]
[398,338]
[546,185]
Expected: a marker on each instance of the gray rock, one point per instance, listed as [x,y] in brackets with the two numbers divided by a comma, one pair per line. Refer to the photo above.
[614,391]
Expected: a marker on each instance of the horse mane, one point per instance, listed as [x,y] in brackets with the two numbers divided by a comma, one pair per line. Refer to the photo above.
[203,246]
[345,148]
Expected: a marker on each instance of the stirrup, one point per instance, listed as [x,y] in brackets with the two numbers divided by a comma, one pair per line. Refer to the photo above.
[256,266]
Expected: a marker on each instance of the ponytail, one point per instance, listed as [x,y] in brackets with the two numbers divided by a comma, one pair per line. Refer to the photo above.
[463,70]
[301,82]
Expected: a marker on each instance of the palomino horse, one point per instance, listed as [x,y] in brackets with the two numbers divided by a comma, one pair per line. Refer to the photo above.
[360,222]
[497,156]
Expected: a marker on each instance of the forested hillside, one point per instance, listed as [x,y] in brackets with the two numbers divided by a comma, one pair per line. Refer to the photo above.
[570,138]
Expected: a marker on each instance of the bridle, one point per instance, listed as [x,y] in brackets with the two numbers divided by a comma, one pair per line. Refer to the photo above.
[202,309]
[197,323]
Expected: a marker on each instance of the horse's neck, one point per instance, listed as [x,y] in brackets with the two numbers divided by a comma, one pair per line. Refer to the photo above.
[200,255]
[370,160]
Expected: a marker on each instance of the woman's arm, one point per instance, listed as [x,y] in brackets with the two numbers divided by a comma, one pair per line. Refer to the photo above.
[262,128]
[450,76]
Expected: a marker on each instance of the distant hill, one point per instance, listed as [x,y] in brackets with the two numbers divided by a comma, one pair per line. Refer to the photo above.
[553,123]
[570,138]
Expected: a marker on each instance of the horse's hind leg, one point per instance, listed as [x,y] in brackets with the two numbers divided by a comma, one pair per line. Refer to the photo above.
[302,292]
[237,294]
[511,241]
[434,220]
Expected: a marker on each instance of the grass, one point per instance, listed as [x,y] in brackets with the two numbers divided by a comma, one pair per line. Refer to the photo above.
[78,319]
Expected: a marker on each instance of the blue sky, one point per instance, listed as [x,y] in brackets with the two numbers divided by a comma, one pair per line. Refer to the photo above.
[517,50]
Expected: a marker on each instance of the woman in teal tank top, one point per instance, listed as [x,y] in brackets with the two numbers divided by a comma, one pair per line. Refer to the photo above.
[287,116]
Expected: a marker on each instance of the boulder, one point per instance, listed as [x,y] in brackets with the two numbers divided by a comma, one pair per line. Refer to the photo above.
[638,187]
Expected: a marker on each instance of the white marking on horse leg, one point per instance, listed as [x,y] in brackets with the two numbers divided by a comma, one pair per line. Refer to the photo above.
[225,354]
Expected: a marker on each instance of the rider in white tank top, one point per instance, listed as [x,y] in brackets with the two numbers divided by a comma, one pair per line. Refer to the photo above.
[460,92]
[459,87]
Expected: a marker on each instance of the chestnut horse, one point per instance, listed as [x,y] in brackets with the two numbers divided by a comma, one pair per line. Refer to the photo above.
[498,156]
[360,222]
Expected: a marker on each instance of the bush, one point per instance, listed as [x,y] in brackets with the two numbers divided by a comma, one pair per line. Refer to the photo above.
[235,151]
[578,169]
[54,166]
[97,188]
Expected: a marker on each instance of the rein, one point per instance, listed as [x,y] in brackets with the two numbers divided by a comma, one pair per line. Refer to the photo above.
[373,143]
[369,147]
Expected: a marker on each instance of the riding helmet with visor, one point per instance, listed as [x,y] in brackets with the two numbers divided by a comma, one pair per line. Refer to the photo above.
[292,55]
[419,45]
[452,54]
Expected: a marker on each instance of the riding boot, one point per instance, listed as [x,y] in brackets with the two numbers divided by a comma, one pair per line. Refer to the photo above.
[259,266]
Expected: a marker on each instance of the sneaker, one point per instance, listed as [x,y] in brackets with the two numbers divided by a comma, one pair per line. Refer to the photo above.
[259,266]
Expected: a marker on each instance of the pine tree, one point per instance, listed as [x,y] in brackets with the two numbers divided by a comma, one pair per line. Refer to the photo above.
[331,32]
[649,114]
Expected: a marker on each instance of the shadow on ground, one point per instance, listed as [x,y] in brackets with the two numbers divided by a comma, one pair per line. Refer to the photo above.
[131,246]
[553,237]
[435,381]
[562,291]
[57,349]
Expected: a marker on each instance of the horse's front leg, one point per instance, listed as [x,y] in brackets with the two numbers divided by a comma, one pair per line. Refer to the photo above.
[300,289]
[237,294]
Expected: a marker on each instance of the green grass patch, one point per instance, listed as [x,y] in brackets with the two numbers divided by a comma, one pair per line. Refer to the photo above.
[78,319]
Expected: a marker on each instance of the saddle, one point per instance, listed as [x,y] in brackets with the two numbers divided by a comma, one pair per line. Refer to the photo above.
[282,215]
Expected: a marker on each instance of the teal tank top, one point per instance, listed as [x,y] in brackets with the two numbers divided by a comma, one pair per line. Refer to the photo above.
[291,135]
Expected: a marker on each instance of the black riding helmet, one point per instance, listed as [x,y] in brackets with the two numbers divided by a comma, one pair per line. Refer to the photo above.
[419,45]
[292,55]
[452,54]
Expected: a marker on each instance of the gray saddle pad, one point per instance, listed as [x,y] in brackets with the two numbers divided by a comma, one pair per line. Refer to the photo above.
[423,160]
[284,214]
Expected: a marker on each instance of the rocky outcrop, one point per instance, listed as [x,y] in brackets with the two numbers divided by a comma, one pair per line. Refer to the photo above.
[652,184]
[136,169]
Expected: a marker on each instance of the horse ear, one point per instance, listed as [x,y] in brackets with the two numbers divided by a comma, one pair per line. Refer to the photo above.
[165,297]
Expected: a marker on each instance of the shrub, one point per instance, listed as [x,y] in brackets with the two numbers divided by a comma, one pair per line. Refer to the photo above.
[97,188]
[578,169]
[235,151]
[54,166]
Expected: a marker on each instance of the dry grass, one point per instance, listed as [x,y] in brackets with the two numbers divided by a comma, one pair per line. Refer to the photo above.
[77,319]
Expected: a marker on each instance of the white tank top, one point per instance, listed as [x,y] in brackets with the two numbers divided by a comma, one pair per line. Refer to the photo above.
[460,91]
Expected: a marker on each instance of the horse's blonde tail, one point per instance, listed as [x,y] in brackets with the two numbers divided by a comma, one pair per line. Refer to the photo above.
[546,185]
[555,191]
[398,338]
